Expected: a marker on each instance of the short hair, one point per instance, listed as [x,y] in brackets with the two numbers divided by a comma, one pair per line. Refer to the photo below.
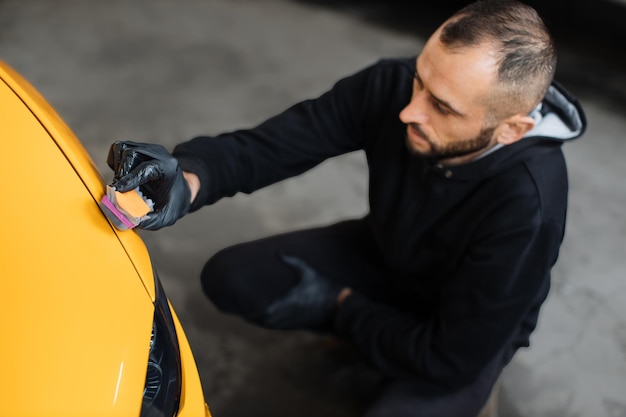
[524,49]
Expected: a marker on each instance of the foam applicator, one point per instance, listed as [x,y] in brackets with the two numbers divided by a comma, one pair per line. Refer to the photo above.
[125,210]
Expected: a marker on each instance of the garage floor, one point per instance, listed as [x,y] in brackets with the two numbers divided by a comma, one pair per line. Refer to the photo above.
[164,71]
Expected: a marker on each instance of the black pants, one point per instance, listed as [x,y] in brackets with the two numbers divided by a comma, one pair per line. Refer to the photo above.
[244,279]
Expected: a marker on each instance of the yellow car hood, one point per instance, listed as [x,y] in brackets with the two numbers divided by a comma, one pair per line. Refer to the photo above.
[77,310]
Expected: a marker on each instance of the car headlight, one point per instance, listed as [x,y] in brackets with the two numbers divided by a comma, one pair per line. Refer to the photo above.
[161,395]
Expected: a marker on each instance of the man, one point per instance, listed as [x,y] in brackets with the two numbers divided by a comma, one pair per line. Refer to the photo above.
[442,281]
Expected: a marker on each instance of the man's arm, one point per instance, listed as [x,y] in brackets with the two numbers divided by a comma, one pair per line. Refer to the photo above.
[194,184]
[292,142]
[345,293]
[284,146]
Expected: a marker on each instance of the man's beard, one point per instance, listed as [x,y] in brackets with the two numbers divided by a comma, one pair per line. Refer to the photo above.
[455,149]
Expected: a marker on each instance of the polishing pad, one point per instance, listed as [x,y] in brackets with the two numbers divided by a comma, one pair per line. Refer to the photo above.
[125,210]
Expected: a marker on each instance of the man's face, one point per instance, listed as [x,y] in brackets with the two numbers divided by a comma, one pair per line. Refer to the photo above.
[446,115]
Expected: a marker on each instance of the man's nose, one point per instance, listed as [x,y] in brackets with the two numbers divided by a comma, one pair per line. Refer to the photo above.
[415,111]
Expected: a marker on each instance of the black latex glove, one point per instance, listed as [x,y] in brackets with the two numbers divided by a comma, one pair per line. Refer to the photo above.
[311,304]
[157,173]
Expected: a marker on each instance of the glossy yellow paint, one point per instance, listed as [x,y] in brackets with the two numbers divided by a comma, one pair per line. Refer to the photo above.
[192,398]
[76,155]
[77,294]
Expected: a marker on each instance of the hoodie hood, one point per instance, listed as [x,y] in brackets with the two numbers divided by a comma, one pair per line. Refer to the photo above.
[558,117]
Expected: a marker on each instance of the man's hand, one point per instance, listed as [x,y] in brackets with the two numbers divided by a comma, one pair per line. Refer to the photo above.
[312,303]
[152,168]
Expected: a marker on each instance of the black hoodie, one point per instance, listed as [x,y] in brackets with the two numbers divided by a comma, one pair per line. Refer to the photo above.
[470,246]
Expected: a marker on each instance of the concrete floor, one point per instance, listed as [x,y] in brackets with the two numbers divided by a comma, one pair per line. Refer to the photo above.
[164,71]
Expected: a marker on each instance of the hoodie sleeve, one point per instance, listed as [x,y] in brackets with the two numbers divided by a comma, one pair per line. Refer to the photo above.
[284,146]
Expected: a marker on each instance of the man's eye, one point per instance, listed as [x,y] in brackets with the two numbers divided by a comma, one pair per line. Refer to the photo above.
[442,110]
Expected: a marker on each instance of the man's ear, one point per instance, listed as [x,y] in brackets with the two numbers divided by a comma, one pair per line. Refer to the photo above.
[513,129]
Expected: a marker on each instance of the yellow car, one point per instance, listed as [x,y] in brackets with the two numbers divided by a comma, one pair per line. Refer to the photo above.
[86,329]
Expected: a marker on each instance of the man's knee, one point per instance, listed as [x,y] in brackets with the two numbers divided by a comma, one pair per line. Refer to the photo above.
[245,279]
[220,281]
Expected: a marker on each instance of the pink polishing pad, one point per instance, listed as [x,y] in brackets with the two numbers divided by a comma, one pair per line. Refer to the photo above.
[117,217]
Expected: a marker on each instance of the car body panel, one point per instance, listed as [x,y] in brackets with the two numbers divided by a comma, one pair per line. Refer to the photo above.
[78,294]
[76,155]
[190,404]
